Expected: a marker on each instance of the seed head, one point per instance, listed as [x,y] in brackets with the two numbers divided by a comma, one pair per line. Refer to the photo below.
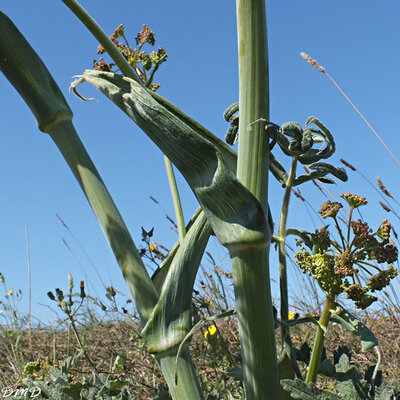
[354,200]
[146,35]
[384,206]
[348,165]
[313,62]
[383,187]
[329,209]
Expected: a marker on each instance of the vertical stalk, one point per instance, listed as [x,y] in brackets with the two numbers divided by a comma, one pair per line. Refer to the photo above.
[175,198]
[136,276]
[319,339]
[286,343]
[251,267]
[282,256]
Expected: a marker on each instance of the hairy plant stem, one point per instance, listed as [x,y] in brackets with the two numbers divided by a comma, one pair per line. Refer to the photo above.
[175,198]
[319,339]
[250,266]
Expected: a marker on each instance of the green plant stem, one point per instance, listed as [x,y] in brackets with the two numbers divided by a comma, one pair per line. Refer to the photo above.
[115,230]
[286,342]
[78,339]
[103,39]
[282,256]
[186,387]
[175,198]
[135,274]
[319,339]
[250,267]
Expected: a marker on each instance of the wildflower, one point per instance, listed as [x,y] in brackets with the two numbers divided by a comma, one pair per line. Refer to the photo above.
[291,314]
[210,331]
[9,293]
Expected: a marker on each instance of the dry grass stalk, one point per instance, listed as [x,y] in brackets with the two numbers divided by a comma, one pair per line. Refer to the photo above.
[315,64]
[385,207]
[347,164]
[383,187]
[298,194]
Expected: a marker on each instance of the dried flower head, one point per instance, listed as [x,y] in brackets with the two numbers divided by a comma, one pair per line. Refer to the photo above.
[313,62]
[329,209]
[118,32]
[384,230]
[344,263]
[101,65]
[336,266]
[354,200]
[382,279]
[321,238]
[146,35]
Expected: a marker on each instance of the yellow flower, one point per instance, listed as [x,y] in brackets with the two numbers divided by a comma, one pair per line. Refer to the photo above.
[210,331]
[153,247]
[9,293]
[291,314]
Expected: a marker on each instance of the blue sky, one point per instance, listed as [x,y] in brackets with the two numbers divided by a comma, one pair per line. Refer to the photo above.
[355,41]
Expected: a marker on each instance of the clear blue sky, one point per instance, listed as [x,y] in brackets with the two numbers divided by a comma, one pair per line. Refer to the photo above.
[355,41]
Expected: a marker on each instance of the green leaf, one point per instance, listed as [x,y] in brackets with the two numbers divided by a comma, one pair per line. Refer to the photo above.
[170,320]
[354,325]
[30,77]
[300,390]
[234,213]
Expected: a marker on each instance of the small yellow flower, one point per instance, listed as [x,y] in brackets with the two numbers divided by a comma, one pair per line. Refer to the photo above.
[210,331]
[9,293]
[291,314]
[152,248]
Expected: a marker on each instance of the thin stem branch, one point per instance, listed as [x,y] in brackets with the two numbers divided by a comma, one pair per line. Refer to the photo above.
[319,339]
[175,198]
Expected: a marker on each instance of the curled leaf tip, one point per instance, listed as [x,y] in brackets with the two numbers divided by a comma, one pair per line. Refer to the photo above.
[79,79]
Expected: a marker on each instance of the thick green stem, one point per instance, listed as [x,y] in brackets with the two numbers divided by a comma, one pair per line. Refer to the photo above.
[175,198]
[256,324]
[250,267]
[132,267]
[319,339]
[186,387]
[129,260]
